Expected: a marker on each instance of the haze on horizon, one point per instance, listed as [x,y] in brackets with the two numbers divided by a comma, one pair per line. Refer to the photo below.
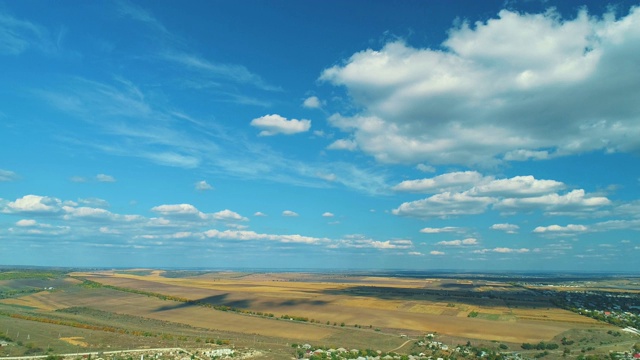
[465,135]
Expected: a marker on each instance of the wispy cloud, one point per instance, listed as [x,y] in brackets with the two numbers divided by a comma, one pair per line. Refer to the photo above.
[7,175]
[105,178]
[18,36]
[127,122]
[141,15]
[235,73]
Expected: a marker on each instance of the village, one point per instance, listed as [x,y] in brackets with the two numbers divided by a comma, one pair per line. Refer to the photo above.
[429,349]
[152,354]
[620,309]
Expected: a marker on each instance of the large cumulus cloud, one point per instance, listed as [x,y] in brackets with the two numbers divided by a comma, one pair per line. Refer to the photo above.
[516,87]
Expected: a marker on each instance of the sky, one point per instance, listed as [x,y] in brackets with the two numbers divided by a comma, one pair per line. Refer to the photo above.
[417,135]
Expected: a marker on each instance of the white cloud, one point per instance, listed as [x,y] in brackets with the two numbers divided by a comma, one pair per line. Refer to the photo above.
[435,252]
[107,230]
[203,186]
[289,213]
[415,253]
[38,229]
[181,235]
[312,102]
[502,250]
[575,201]
[6,175]
[26,222]
[519,186]
[275,124]
[444,205]
[87,213]
[328,214]
[477,99]
[558,228]
[508,195]
[246,235]
[259,213]
[465,242]
[425,168]
[105,178]
[184,210]
[610,225]
[479,185]
[508,228]
[429,230]
[94,202]
[359,241]
[228,215]
[343,144]
[631,208]
[236,226]
[34,204]
[446,182]
[505,250]
[524,155]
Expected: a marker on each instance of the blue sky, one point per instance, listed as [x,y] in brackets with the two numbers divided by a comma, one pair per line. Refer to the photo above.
[471,135]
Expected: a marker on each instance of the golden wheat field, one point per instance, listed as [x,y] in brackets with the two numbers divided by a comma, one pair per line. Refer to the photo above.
[412,306]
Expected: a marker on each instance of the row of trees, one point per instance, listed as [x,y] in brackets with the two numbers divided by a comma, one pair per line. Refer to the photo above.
[540,346]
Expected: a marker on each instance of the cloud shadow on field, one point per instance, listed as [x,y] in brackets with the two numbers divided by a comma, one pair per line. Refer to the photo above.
[215,300]
[245,304]
[459,295]
[291,302]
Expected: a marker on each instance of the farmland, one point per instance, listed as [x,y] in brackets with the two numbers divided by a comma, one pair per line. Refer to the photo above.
[108,309]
